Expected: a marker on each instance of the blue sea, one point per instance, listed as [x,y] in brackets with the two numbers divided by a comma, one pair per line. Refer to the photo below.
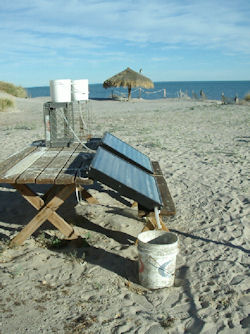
[212,90]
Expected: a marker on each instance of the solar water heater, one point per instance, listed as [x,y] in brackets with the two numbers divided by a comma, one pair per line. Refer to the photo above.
[126,178]
[126,151]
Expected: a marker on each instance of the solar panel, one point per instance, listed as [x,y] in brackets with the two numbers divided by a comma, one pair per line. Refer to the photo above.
[127,179]
[126,151]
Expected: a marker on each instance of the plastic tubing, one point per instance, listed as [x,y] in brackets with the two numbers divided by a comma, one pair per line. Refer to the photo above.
[157,217]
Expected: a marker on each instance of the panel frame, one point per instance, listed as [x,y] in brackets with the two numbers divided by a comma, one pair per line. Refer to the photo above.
[125,157]
[123,189]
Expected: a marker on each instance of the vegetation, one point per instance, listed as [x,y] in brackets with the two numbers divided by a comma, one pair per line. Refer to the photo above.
[247,96]
[5,104]
[11,89]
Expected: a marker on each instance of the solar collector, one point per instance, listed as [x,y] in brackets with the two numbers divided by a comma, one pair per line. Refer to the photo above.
[126,178]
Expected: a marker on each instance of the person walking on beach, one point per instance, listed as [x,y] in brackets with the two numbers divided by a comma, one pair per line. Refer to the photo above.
[202,94]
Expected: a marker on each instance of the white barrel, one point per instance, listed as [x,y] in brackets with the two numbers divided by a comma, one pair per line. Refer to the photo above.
[157,252]
[60,90]
[80,90]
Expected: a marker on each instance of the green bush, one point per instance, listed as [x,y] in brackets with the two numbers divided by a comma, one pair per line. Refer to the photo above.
[247,96]
[11,89]
[5,104]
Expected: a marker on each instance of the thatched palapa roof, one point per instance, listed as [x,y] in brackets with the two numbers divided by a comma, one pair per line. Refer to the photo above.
[128,78]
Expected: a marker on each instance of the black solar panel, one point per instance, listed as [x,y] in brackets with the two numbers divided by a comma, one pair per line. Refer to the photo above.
[127,179]
[126,151]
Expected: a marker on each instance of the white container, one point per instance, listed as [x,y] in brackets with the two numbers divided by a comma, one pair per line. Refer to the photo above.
[157,252]
[80,90]
[60,90]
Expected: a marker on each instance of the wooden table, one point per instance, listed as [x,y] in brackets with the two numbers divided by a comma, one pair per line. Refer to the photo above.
[62,168]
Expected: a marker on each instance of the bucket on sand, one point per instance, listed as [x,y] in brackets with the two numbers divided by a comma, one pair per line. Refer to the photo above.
[60,90]
[157,252]
[80,90]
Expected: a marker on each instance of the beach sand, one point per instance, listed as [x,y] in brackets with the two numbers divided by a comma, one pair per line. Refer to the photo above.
[203,151]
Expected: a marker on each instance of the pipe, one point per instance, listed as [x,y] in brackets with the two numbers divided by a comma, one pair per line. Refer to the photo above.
[157,217]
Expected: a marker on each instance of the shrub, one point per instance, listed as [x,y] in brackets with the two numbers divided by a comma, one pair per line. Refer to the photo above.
[247,96]
[5,104]
[11,89]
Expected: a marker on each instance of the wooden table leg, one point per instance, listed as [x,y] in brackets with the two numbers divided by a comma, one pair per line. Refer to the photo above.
[46,211]
[151,224]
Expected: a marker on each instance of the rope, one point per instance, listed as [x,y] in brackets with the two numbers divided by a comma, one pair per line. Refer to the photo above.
[78,189]
[75,135]
[142,91]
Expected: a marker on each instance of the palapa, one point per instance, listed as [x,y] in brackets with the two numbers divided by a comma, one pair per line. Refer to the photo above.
[128,78]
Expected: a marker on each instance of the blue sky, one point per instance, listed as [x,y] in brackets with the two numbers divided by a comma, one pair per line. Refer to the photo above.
[180,40]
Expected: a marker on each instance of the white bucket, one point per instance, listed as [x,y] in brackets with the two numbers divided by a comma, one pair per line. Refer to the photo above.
[60,90]
[157,252]
[80,90]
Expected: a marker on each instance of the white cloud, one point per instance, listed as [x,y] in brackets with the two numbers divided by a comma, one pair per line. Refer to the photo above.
[99,30]
[205,23]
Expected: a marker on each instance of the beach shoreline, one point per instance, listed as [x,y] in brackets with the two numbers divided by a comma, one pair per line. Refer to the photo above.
[203,150]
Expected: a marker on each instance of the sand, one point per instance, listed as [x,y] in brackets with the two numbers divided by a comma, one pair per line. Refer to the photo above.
[92,287]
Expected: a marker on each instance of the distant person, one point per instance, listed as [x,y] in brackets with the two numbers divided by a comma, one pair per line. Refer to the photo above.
[202,94]
[223,98]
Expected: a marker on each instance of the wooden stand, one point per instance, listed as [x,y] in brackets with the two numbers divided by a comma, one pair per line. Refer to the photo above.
[47,206]
[65,169]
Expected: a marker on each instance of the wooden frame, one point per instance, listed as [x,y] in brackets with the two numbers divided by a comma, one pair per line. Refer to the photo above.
[55,197]
[65,169]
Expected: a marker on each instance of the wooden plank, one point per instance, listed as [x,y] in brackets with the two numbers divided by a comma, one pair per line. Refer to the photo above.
[151,224]
[38,203]
[13,173]
[32,226]
[47,212]
[12,161]
[31,174]
[50,173]
[66,229]
[151,219]
[156,168]
[70,169]
[51,192]
[29,195]
[168,208]
[88,197]
[60,196]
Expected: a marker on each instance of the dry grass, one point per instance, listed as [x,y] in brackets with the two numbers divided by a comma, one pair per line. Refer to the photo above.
[247,97]
[5,104]
[11,89]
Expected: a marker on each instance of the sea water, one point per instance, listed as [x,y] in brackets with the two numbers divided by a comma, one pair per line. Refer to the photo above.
[212,90]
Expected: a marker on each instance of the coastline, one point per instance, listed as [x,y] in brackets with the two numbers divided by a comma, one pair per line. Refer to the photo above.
[203,151]
[212,90]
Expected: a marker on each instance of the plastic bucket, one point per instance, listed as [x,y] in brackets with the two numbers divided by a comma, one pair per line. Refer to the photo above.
[157,252]
[80,90]
[60,90]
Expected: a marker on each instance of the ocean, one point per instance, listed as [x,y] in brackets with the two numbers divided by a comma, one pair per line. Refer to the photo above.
[211,89]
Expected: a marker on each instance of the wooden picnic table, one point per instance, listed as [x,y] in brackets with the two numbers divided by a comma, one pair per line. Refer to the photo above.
[65,169]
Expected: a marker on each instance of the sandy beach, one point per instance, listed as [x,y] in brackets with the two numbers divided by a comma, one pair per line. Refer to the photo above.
[93,288]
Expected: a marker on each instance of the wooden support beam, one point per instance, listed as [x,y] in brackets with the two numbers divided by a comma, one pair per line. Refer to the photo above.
[46,212]
[87,196]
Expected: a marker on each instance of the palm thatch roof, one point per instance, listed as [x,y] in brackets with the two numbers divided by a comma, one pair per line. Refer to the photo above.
[128,78]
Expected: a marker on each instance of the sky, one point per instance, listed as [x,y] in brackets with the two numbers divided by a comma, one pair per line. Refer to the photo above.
[170,40]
